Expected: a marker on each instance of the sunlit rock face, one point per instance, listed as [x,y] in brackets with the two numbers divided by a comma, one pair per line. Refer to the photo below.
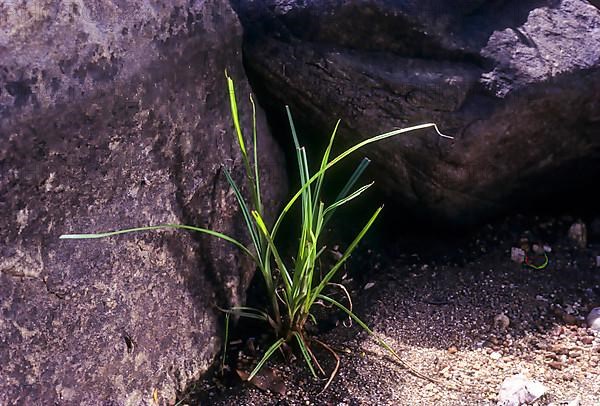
[515,82]
[115,115]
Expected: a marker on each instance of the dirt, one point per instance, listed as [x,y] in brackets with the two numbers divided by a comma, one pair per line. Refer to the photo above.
[458,310]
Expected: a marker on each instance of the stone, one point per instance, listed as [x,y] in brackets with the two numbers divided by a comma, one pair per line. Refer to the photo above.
[593,319]
[578,234]
[556,365]
[501,322]
[114,115]
[495,355]
[514,82]
[587,340]
[519,389]
[517,255]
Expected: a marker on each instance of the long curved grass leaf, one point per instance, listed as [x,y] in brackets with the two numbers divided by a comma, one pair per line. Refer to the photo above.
[246,214]
[305,353]
[249,315]
[274,347]
[360,323]
[346,199]
[162,227]
[237,309]
[339,158]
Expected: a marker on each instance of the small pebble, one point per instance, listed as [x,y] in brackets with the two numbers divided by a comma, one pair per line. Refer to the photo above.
[517,255]
[556,365]
[501,321]
[495,355]
[593,319]
[578,234]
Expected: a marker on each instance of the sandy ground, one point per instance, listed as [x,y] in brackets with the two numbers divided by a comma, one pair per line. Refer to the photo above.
[461,312]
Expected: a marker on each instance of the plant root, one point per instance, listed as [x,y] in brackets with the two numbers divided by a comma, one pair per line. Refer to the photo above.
[337,364]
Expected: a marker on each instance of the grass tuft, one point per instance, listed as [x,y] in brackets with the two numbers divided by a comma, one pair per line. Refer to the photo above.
[293,287]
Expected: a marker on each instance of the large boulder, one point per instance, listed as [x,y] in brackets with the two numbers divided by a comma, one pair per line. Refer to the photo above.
[515,82]
[115,115]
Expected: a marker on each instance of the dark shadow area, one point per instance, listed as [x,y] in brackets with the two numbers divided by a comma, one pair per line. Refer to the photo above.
[434,29]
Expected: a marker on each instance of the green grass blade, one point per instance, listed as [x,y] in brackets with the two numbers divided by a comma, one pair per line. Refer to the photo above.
[238,130]
[266,357]
[258,202]
[304,176]
[355,175]
[246,214]
[342,156]
[349,185]
[305,353]
[235,117]
[320,252]
[237,309]
[324,161]
[319,224]
[348,312]
[162,227]
[307,194]
[302,162]
[360,323]
[306,206]
[292,127]
[347,198]
[249,315]
[317,291]
[287,280]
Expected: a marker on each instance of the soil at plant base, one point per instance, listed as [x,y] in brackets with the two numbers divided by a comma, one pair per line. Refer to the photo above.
[459,311]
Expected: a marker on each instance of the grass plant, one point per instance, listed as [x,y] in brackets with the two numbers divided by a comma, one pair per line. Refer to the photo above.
[293,286]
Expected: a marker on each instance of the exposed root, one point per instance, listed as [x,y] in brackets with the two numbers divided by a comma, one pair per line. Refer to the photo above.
[337,364]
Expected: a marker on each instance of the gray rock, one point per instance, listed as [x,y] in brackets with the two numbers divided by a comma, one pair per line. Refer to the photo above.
[593,319]
[113,115]
[515,82]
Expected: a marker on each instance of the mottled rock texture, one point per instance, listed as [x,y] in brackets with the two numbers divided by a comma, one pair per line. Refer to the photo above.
[515,82]
[113,115]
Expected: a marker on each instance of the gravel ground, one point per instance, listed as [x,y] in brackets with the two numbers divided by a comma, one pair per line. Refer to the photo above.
[459,311]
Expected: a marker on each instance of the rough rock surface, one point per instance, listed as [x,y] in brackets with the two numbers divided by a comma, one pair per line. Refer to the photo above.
[516,83]
[115,115]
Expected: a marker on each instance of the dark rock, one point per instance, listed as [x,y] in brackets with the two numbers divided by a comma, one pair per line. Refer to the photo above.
[115,115]
[516,83]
